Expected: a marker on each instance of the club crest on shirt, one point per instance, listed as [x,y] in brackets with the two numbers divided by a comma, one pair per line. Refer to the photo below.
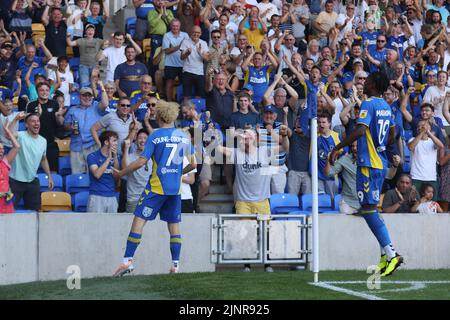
[147,212]
[363,114]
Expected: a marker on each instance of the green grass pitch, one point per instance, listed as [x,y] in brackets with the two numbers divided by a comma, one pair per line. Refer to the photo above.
[282,285]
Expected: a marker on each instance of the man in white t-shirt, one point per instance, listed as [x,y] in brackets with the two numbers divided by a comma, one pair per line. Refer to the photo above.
[435,95]
[267,9]
[194,52]
[424,150]
[115,53]
[66,77]
[345,22]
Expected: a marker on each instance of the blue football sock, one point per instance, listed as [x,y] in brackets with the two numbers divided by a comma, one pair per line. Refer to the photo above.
[175,247]
[132,243]
[377,226]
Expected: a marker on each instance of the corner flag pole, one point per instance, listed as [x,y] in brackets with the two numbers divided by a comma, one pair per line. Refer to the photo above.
[315,199]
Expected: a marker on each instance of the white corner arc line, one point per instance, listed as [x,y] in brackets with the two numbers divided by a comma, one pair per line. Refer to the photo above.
[327,285]
[391,282]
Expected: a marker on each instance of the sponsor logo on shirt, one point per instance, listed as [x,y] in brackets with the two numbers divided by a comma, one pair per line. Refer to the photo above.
[165,170]
[363,114]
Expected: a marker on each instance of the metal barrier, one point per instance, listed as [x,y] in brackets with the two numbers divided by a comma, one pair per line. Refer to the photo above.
[276,239]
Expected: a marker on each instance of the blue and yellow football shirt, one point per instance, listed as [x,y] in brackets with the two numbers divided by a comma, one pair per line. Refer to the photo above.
[167,147]
[376,115]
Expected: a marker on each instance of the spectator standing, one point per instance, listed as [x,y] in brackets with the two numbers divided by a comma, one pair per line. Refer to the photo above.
[188,13]
[88,47]
[243,117]
[424,152]
[136,180]
[127,74]
[55,32]
[32,153]
[51,117]
[20,17]
[65,77]
[436,95]
[346,165]
[402,198]
[102,189]
[141,99]
[142,8]
[325,22]
[194,51]
[158,24]
[173,67]
[7,115]
[219,100]
[255,33]
[115,53]
[94,18]
[78,121]
[6,158]
[8,63]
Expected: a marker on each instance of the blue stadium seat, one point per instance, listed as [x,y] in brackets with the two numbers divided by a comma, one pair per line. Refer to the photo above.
[179,93]
[283,203]
[22,126]
[74,64]
[57,182]
[80,202]
[74,99]
[77,182]
[64,166]
[324,202]
[130,25]
[200,104]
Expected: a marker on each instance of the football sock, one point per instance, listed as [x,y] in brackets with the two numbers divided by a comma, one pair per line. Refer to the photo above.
[175,248]
[132,243]
[390,252]
[377,226]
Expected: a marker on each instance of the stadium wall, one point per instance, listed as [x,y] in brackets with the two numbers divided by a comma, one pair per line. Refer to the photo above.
[346,241]
[41,247]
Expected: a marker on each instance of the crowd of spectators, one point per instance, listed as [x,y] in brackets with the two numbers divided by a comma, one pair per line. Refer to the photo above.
[246,74]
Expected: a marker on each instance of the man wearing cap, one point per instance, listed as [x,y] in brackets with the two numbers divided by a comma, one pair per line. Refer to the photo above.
[271,133]
[78,121]
[51,117]
[55,32]
[88,47]
[8,63]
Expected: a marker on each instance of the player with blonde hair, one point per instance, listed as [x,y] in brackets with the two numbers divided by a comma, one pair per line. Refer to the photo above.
[166,147]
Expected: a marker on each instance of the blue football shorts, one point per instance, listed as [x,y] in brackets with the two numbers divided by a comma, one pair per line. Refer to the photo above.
[168,207]
[369,182]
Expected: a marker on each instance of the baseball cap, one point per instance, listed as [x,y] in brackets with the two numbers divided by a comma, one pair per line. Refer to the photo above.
[347,77]
[86,90]
[90,25]
[357,60]
[270,108]
[7,44]
[248,87]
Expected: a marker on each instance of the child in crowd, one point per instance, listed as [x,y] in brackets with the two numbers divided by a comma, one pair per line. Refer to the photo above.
[426,203]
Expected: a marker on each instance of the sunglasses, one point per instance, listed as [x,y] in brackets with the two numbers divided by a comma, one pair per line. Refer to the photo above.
[360,78]
[151,104]
[146,83]
[216,37]
[381,41]
[125,105]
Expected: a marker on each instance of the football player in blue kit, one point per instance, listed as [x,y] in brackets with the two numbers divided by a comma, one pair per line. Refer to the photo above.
[166,147]
[375,130]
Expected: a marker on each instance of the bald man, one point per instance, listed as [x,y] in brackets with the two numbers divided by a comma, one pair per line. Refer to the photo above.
[194,52]
[140,99]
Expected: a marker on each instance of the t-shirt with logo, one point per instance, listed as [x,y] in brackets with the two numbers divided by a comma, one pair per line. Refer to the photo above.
[105,186]
[252,169]
[129,76]
[166,147]
[259,79]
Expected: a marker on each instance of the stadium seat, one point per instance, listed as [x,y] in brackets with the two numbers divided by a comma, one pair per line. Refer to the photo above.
[56,201]
[324,202]
[57,182]
[130,25]
[77,182]
[64,147]
[64,166]
[200,104]
[75,99]
[38,28]
[283,203]
[22,126]
[80,201]
[74,63]
[335,208]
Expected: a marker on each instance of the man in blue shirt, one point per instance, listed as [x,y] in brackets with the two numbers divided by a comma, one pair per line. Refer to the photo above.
[375,130]
[128,74]
[167,147]
[102,186]
[79,120]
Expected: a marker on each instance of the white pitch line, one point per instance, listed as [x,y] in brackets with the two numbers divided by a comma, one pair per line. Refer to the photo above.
[391,282]
[328,286]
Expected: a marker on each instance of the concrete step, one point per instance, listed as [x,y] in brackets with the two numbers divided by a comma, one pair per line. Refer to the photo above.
[217,188]
[218,197]
[216,207]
